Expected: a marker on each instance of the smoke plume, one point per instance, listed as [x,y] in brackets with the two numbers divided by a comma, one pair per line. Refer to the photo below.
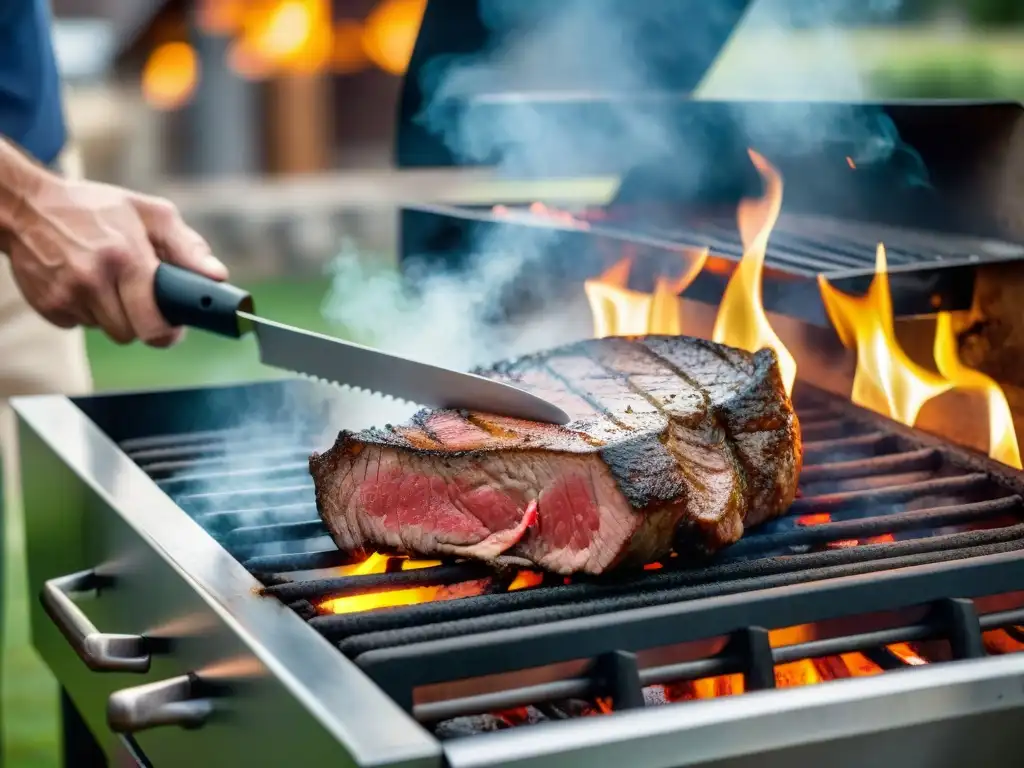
[492,106]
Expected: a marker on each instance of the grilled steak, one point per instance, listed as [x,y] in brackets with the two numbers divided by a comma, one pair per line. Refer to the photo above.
[675,443]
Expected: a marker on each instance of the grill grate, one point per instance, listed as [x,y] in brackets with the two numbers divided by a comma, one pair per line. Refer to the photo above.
[928,271]
[864,478]
[808,247]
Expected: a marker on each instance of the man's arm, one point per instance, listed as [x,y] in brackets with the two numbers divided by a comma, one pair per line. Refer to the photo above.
[84,253]
[20,179]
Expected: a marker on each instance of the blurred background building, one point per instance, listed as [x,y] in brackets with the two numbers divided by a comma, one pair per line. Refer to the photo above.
[217,102]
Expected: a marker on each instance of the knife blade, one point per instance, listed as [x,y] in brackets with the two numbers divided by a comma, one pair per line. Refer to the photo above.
[188,299]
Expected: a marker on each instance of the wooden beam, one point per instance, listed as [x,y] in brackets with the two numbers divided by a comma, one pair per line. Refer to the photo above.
[299,107]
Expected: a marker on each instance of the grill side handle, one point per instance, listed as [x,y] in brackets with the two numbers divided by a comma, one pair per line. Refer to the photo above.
[188,299]
[167,702]
[101,651]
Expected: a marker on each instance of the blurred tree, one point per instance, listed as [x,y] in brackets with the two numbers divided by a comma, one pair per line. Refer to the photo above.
[801,13]
[916,11]
[994,12]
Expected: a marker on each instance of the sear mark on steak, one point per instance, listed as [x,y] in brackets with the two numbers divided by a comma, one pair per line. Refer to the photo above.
[675,443]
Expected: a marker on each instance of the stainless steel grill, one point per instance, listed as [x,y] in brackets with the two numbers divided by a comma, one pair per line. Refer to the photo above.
[224,647]
[876,501]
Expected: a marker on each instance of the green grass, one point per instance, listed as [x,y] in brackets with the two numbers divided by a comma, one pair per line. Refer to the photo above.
[29,696]
[869,63]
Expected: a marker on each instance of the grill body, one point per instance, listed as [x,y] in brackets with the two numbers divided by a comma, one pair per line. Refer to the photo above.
[280,691]
[281,694]
[933,179]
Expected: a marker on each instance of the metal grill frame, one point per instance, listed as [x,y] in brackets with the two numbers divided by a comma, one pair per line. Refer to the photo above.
[922,281]
[739,600]
[836,585]
[664,736]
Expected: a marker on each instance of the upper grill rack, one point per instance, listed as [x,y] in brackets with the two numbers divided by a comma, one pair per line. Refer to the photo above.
[838,249]
[928,271]
[940,505]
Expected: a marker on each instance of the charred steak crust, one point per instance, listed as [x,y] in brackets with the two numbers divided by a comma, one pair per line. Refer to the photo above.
[675,442]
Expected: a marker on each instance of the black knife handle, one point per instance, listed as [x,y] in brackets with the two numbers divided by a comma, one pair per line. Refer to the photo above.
[186,298]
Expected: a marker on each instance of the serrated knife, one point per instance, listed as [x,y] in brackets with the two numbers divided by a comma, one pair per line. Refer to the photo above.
[192,300]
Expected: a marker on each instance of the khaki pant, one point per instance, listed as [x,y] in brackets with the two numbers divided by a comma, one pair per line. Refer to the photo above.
[35,358]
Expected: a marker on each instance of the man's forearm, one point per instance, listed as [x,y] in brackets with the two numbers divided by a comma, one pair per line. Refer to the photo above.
[20,180]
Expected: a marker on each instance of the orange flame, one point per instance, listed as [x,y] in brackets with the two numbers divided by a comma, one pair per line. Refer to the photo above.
[1001,433]
[377,563]
[741,320]
[619,311]
[887,381]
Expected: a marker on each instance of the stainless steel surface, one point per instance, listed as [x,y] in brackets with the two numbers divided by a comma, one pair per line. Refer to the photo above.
[291,697]
[173,702]
[383,189]
[945,705]
[983,250]
[342,362]
[527,218]
[101,652]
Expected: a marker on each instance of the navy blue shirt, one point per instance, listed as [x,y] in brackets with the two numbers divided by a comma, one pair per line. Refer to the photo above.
[31,110]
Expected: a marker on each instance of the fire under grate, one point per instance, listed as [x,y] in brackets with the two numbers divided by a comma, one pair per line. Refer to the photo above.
[902,536]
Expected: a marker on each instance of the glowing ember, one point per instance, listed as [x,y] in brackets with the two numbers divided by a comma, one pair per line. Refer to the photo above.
[885,538]
[860,665]
[886,380]
[604,705]
[1001,433]
[907,654]
[815,518]
[525,580]
[1000,642]
[812,671]
[741,320]
[796,674]
[705,688]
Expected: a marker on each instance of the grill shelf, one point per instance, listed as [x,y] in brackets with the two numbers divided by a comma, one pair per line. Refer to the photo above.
[939,503]
[928,271]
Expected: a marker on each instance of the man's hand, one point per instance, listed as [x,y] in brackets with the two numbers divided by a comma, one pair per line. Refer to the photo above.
[85,253]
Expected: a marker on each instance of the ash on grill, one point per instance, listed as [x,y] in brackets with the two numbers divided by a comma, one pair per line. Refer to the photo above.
[839,587]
